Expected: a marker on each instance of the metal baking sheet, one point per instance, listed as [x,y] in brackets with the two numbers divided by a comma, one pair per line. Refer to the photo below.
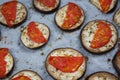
[35,59]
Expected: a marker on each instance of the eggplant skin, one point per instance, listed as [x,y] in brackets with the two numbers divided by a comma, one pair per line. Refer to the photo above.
[21,15]
[111,9]
[116,17]
[90,29]
[116,62]
[102,75]
[29,73]
[60,15]
[30,44]
[59,75]
[43,9]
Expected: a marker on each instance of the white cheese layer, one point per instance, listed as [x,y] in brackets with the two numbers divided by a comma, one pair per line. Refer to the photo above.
[10,62]
[32,75]
[117,17]
[42,7]
[97,4]
[31,44]
[61,14]
[59,75]
[88,34]
[20,14]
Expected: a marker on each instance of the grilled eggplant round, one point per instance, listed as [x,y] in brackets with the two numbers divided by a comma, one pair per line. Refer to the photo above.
[102,75]
[35,35]
[46,6]
[116,17]
[116,62]
[99,36]
[6,62]
[104,6]
[69,17]
[12,13]
[26,75]
[66,64]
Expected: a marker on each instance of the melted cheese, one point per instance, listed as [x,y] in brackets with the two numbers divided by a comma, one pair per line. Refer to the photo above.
[117,17]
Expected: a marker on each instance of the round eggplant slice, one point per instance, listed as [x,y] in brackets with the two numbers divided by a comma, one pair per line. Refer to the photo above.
[116,17]
[26,75]
[46,6]
[69,17]
[6,62]
[102,75]
[116,62]
[35,35]
[66,64]
[99,36]
[104,6]
[12,13]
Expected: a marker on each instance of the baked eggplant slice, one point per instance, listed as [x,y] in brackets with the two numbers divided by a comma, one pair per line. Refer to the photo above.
[6,62]
[66,64]
[102,75]
[12,13]
[69,17]
[26,75]
[99,36]
[104,6]
[116,17]
[116,62]
[46,6]
[35,35]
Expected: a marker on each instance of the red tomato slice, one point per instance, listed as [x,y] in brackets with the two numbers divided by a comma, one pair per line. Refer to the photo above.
[105,4]
[9,12]
[66,63]
[35,34]
[48,3]
[102,35]
[73,15]
[3,53]
[22,78]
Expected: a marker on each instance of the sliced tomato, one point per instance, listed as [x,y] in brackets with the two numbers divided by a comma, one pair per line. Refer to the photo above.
[48,3]
[9,12]
[66,63]
[21,78]
[102,35]
[3,53]
[35,34]
[73,15]
[105,4]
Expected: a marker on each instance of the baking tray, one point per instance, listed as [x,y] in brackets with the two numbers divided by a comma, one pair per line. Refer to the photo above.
[35,59]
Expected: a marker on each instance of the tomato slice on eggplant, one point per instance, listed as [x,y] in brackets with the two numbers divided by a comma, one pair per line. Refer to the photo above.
[3,53]
[66,63]
[102,35]
[35,34]
[73,15]
[9,12]
[48,3]
[105,4]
